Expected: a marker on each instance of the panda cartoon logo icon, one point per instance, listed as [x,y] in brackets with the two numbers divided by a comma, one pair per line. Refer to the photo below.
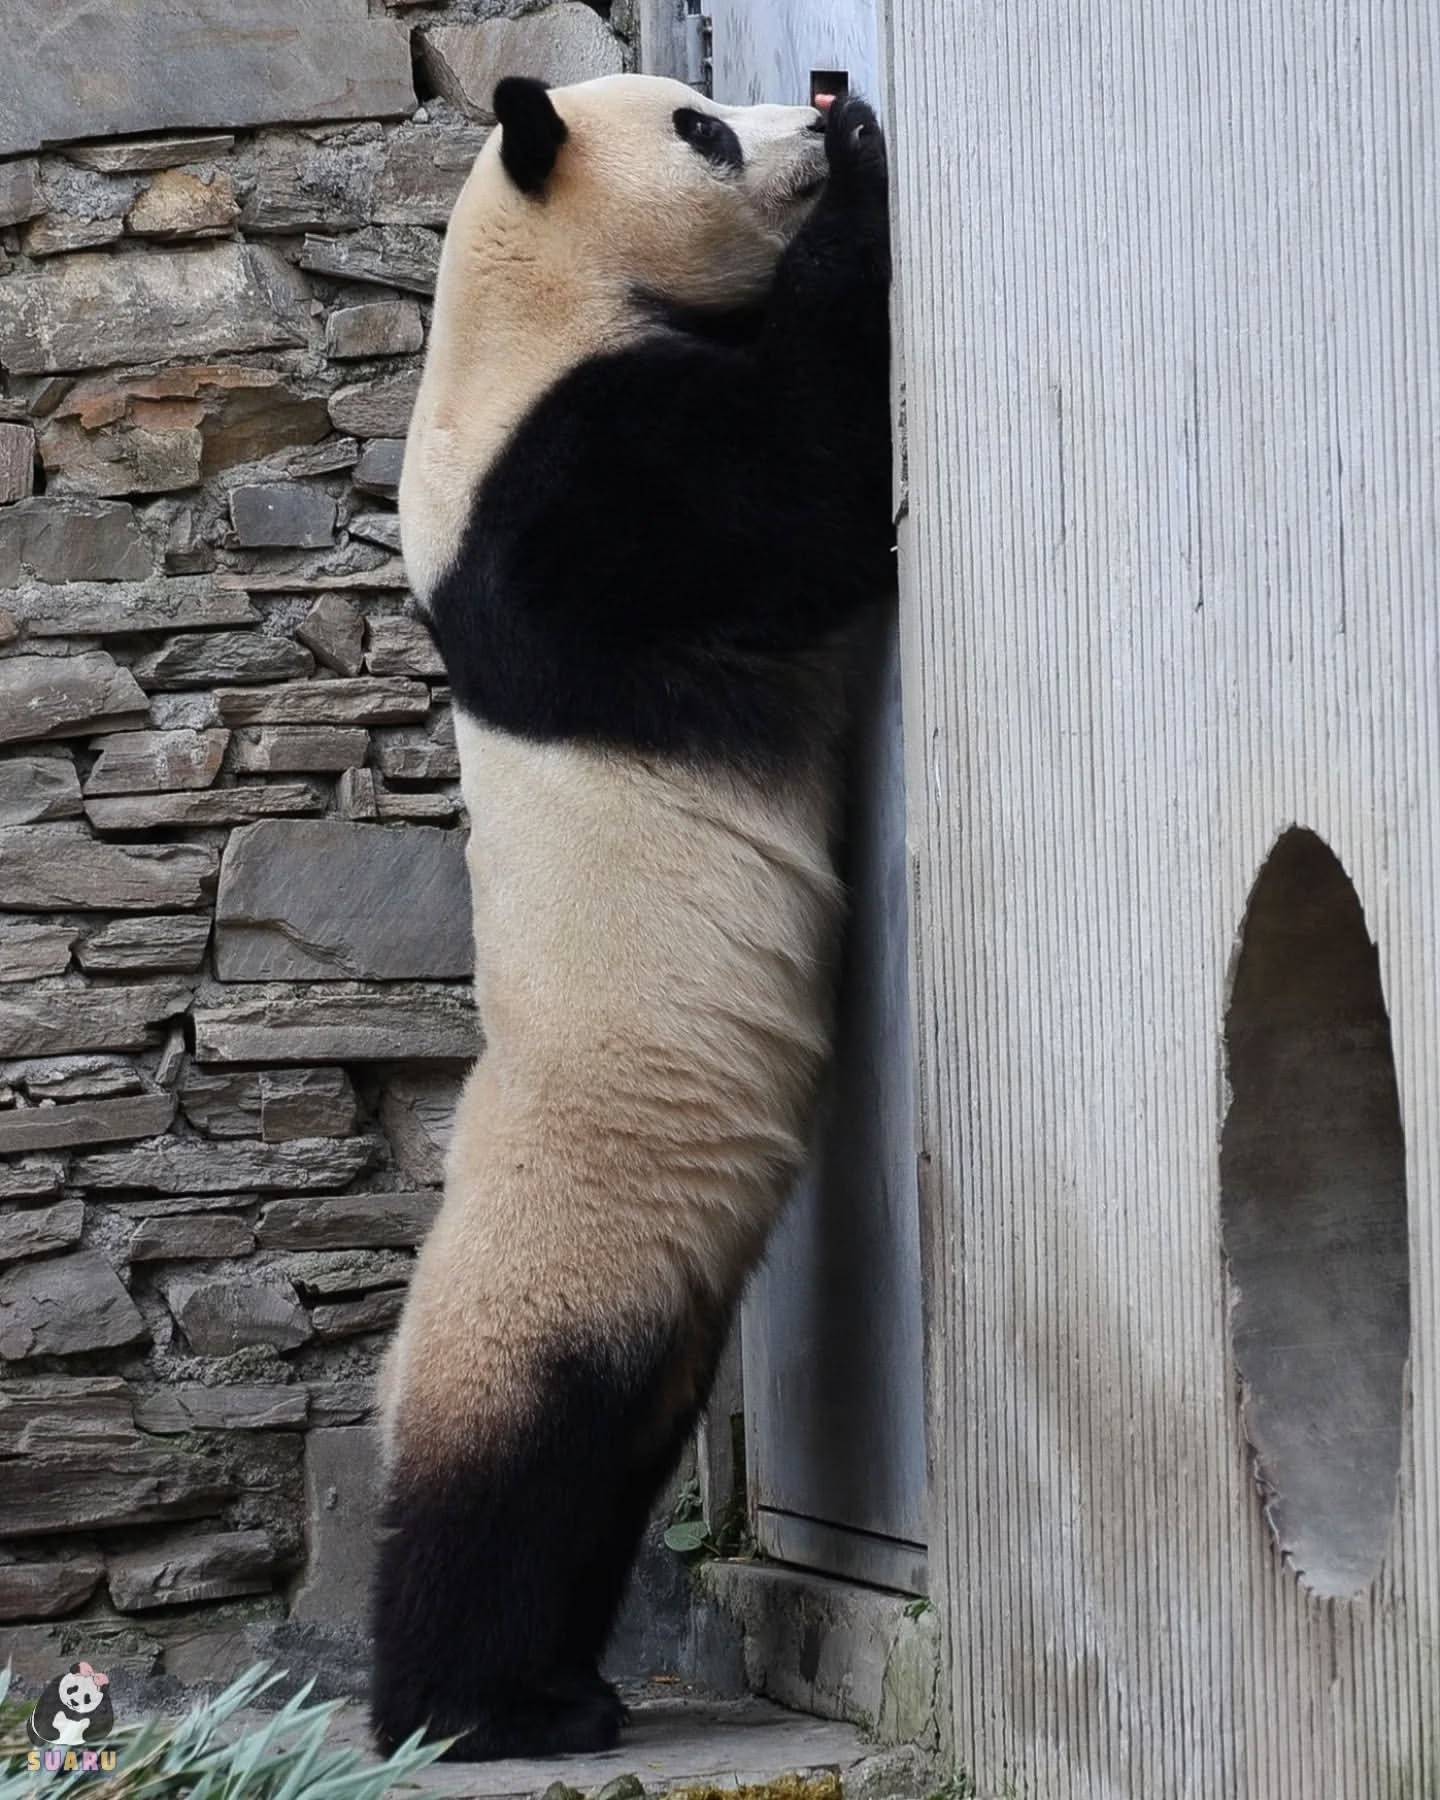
[74,1709]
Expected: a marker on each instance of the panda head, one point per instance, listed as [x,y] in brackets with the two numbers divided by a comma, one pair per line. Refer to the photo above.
[82,1692]
[646,184]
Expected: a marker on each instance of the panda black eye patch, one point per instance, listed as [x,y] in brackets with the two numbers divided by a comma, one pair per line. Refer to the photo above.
[712,137]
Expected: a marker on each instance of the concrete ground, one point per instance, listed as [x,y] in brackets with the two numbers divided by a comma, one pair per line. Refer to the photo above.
[672,1743]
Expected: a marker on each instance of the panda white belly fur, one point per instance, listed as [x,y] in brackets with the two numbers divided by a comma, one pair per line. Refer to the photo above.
[652,950]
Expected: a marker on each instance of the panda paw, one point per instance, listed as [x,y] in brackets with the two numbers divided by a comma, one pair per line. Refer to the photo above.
[855,149]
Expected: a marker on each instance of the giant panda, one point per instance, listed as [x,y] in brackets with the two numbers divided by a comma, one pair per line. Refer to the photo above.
[645,498]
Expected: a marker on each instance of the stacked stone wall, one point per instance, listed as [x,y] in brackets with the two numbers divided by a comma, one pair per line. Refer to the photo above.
[234,935]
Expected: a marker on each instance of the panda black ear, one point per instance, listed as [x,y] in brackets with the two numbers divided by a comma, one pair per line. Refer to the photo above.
[531,131]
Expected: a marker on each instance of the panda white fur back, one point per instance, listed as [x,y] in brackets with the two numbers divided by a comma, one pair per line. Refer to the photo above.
[648,717]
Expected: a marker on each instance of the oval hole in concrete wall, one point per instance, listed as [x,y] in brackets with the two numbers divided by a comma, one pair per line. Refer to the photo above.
[1312,1187]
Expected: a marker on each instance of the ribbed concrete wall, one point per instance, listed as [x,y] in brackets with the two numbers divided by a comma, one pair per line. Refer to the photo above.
[1171,294]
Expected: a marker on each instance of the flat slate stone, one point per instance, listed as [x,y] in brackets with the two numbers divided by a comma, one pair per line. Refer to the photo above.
[85,1122]
[315,1022]
[17,462]
[75,1077]
[406,806]
[19,198]
[374,328]
[371,409]
[36,1178]
[378,468]
[54,1018]
[282,514]
[190,1236]
[74,540]
[296,1103]
[418,762]
[363,701]
[53,696]
[39,1230]
[155,762]
[397,645]
[342,1500]
[47,1590]
[186,1570]
[397,256]
[222,1102]
[45,868]
[310,901]
[179,63]
[348,1221]
[62,1306]
[383,577]
[558,45]
[30,948]
[291,749]
[348,1318]
[335,632]
[118,608]
[221,1317]
[61,234]
[93,311]
[87,1483]
[212,806]
[193,1408]
[180,204]
[221,658]
[185,1166]
[73,1406]
[174,941]
[377,528]
[417,1112]
[142,154]
[424,169]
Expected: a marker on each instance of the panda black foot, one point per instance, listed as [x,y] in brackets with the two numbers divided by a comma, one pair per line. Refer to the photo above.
[564,1720]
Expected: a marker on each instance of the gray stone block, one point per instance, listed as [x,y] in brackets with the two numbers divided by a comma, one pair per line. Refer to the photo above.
[417,1112]
[173,941]
[30,948]
[55,696]
[214,806]
[182,1571]
[221,1317]
[17,462]
[342,1496]
[19,196]
[377,528]
[61,234]
[185,1166]
[75,540]
[363,701]
[47,1590]
[179,63]
[379,1311]
[296,1103]
[221,658]
[378,468]
[310,901]
[75,1077]
[374,328]
[222,1103]
[116,608]
[348,570]
[335,632]
[85,1484]
[34,788]
[52,1018]
[190,1236]
[424,169]
[45,868]
[62,1306]
[154,762]
[187,1408]
[316,1022]
[36,1178]
[409,807]
[282,514]
[92,311]
[292,749]
[398,256]
[180,204]
[142,154]
[418,762]
[346,1221]
[376,409]
[39,1230]
[85,1122]
[89,1407]
[557,45]
[398,645]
